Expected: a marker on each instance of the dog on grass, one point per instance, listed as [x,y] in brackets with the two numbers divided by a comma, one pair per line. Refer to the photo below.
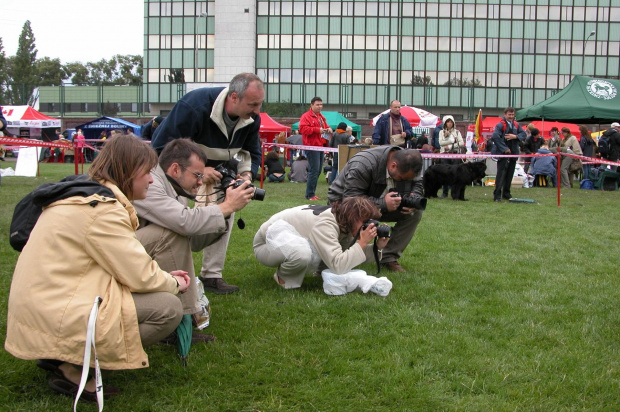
[457,176]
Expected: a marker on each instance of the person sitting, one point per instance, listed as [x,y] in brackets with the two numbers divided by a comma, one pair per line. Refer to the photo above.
[274,170]
[544,166]
[49,304]
[299,170]
[297,240]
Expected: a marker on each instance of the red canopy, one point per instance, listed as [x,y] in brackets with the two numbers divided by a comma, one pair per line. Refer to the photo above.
[268,125]
[26,116]
[546,126]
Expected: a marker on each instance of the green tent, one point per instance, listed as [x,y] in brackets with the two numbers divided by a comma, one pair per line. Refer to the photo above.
[333,118]
[584,100]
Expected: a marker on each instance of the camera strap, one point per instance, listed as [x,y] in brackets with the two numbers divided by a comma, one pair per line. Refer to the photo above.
[178,189]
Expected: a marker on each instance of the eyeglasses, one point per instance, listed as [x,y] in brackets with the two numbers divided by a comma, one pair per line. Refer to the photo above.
[199,176]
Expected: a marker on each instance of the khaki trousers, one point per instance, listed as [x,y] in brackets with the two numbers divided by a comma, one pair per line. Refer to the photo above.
[159,314]
[214,255]
[172,251]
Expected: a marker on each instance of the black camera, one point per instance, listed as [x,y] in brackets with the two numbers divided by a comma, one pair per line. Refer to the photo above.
[383,230]
[411,200]
[229,178]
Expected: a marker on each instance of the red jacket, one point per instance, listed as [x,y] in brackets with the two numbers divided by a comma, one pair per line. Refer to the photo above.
[310,128]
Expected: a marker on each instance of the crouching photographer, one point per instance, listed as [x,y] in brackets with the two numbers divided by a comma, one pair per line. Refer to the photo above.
[373,173]
[308,238]
[170,230]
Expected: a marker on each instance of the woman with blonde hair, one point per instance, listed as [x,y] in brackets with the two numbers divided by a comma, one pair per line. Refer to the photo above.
[50,304]
[298,240]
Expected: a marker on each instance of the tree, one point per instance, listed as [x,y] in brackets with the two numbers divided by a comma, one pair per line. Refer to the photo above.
[119,70]
[128,69]
[4,76]
[22,70]
[283,109]
[77,73]
[49,72]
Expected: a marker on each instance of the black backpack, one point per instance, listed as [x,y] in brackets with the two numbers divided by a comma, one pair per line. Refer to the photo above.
[28,210]
[603,146]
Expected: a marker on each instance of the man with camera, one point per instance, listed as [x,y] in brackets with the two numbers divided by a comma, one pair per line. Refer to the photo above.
[387,175]
[169,229]
[225,123]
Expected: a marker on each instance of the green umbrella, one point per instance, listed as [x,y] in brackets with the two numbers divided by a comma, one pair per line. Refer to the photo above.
[184,338]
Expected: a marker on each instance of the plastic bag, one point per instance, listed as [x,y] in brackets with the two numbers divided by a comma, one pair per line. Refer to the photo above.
[202,318]
[334,284]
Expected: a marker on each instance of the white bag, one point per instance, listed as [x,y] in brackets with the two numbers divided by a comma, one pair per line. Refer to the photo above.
[334,284]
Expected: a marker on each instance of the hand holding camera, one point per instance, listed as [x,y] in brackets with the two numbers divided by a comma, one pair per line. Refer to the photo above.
[373,229]
[211,176]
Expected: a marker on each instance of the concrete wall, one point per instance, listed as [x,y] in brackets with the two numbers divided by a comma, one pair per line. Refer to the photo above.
[235,38]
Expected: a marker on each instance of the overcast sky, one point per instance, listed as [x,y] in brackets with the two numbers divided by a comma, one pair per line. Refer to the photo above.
[75,30]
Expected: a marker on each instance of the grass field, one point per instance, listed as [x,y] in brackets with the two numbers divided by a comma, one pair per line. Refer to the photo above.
[504,307]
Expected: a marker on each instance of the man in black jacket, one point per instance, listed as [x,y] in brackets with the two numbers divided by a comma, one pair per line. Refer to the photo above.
[372,173]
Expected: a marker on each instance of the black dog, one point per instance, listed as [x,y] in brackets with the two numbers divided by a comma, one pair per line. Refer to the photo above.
[457,176]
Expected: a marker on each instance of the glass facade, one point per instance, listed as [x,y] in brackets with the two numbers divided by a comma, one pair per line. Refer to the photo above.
[80,101]
[361,54]
[179,40]
[438,54]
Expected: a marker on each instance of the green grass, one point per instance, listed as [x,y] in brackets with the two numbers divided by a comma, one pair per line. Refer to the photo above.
[505,307]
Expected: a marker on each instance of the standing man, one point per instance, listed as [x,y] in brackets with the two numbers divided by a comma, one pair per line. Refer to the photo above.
[225,123]
[170,230]
[372,173]
[506,137]
[149,128]
[312,126]
[392,128]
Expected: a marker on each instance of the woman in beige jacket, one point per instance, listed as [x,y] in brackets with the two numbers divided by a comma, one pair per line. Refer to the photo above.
[51,295]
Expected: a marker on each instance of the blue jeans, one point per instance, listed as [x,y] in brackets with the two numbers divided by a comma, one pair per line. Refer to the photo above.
[315,162]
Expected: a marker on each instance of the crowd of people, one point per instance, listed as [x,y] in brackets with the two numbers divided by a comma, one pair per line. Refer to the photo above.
[134,228]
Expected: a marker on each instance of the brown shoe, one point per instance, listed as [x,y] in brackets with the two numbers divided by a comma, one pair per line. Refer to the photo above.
[394,266]
[219,286]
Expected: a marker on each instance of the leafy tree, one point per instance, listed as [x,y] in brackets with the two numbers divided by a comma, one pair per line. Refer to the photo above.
[283,109]
[77,73]
[4,76]
[109,109]
[421,81]
[22,70]
[49,72]
[128,69]
[119,70]
[101,72]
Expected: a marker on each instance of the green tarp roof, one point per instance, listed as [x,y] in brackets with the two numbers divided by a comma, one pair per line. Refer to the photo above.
[584,100]
[333,118]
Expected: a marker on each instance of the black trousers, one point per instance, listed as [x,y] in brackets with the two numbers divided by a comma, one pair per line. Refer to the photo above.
[503,179]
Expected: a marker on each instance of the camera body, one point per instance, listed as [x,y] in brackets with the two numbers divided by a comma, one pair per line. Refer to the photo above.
[410,200]
[382,229]
[229,178]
